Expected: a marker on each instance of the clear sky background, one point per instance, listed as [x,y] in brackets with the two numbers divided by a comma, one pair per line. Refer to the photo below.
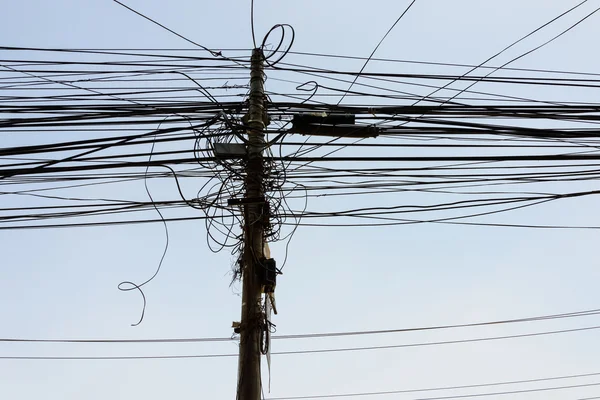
[62,283]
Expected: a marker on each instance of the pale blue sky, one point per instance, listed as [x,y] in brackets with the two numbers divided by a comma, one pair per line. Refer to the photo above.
[62,283]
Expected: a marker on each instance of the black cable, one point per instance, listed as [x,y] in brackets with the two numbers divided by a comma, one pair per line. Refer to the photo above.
[462,396]
[431,389]
[138,287]
[538,47]
[252,22]
[315,351]
[376,47]
[214,53]
[573,314]
[263,45]
[511,45]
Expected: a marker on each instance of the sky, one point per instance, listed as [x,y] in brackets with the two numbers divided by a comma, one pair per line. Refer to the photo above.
[62,283]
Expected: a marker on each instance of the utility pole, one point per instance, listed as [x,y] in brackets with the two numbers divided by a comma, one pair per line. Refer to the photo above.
[251,325]
[259,272]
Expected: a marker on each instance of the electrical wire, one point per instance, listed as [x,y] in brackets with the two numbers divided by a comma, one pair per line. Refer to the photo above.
[314,351]
[431,389]
[377,47]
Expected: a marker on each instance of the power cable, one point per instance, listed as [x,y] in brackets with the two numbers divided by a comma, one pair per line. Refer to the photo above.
[314,351]
[574,314]
[470,386]
[462,396]
[214,53]
[377,47]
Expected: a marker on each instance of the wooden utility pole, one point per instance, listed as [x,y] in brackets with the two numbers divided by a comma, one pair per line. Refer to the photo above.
[258,271]
[251,325]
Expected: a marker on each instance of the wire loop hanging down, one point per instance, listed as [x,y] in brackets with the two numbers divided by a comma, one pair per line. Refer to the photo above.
[310,86]
[134,286]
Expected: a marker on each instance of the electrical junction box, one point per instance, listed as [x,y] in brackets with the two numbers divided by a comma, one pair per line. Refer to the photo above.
[267,274]
[229,150]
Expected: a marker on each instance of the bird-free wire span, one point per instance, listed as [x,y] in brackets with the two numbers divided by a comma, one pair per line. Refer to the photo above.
[321,350]
[538,318]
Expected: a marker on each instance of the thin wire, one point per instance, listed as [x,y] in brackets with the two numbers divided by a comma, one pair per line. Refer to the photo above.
[315,351]
[528,52]
[438,388]
[471,395]
[252,22]
[574,314]
[214,53]
[505,49]
[162,258]
[439,343]
[376,47]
